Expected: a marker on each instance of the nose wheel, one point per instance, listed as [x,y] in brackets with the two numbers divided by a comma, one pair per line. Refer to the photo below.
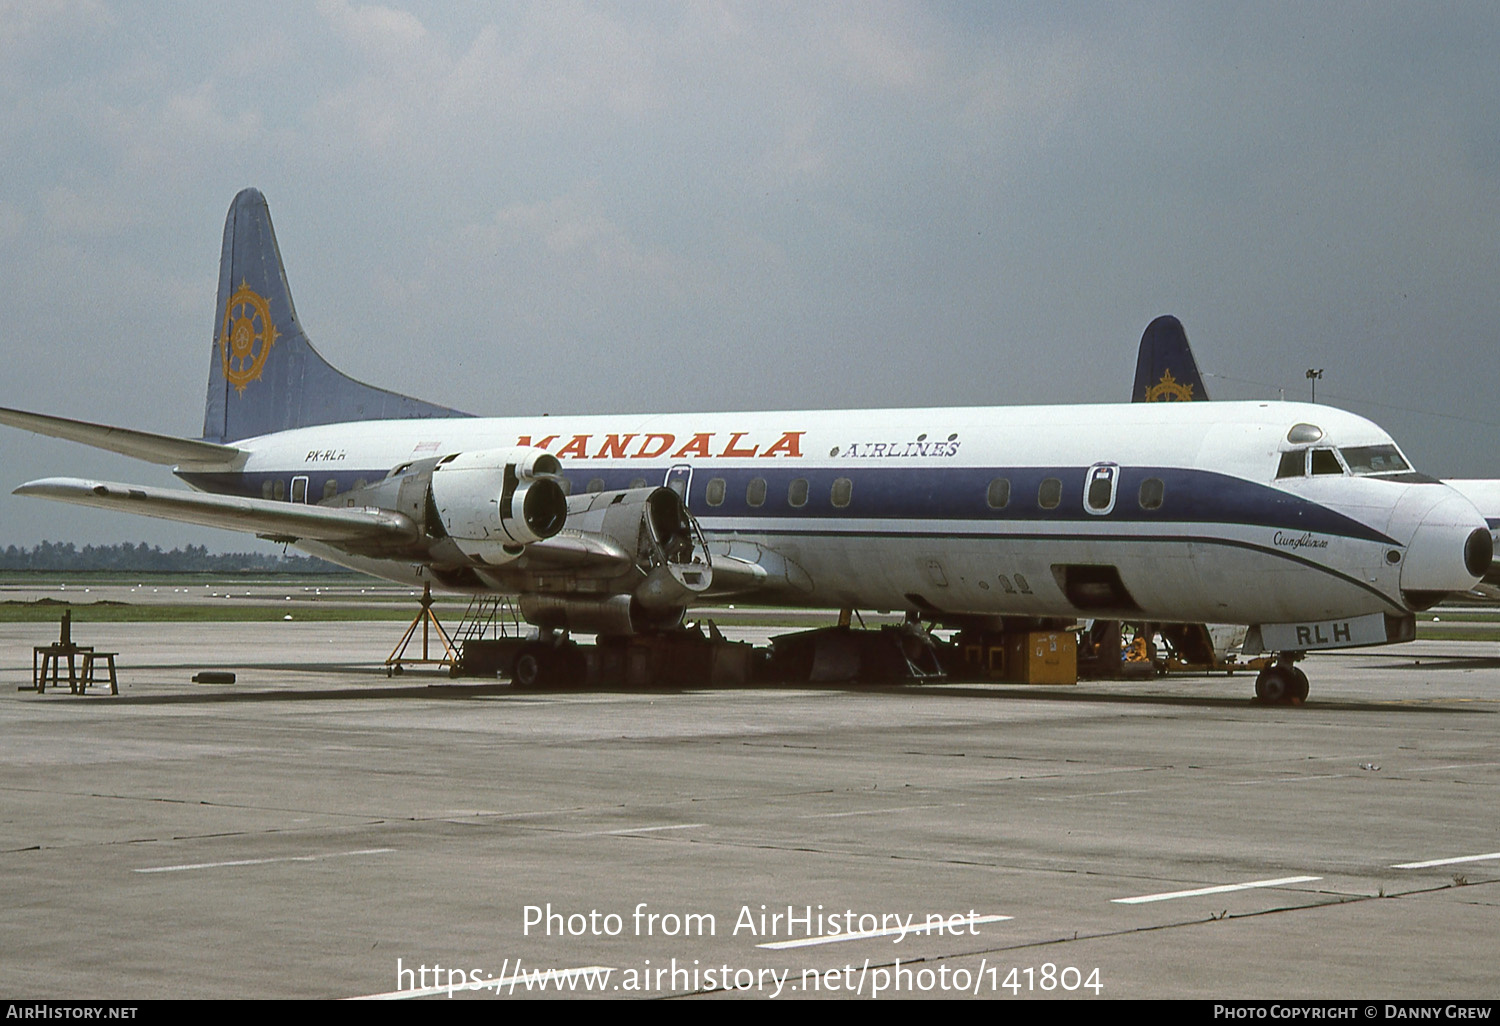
[1281,683]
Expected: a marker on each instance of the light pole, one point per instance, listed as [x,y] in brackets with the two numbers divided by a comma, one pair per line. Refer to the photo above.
[1313,376]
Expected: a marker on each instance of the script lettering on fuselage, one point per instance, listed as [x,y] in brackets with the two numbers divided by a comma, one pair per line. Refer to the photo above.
[658,445]
[1305,540]
[324,455]
[921,446]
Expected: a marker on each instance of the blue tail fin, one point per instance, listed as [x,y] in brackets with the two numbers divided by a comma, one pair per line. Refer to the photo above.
[264,375]
[1165,369]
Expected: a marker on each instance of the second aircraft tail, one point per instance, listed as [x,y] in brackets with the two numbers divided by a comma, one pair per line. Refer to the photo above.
[1165,370]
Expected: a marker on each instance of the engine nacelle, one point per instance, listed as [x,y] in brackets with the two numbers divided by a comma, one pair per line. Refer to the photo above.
[494,502]
[611,615]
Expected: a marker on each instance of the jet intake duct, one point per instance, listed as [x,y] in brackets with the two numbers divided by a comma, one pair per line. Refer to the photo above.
[494,502]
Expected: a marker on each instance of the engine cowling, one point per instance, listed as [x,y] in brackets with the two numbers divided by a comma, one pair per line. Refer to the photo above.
[618,615]
[493,503]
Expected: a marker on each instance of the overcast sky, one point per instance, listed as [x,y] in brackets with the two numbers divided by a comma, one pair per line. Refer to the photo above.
[600,207]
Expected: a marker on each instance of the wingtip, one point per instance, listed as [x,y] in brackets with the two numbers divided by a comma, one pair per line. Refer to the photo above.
[50,487]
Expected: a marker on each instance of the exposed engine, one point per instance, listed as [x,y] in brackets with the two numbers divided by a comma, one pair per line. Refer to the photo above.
[651,558]
[615,563]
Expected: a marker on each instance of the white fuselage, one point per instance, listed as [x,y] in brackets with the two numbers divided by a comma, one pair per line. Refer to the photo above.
[1173,511]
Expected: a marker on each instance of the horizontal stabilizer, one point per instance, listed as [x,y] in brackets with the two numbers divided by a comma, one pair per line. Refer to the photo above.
[281,521]
[141,445]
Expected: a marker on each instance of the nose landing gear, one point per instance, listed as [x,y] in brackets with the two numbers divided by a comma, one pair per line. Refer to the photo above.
[1281,683]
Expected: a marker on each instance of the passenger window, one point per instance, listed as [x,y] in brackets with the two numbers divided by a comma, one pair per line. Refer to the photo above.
[1153,491]
[843,491]
[714,494]
[1324,461]
[639,482]
[796,493]
[1293,464]
[330,489]
[1049,495]
[265,489]
[755,492]
[998,495]
[596,485]
[280,490]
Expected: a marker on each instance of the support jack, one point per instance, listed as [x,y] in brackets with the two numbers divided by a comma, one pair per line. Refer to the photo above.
[426,619]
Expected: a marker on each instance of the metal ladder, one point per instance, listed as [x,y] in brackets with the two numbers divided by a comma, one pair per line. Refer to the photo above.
[489,617]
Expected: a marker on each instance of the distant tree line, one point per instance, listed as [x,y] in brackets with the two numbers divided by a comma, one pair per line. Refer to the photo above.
[145,558]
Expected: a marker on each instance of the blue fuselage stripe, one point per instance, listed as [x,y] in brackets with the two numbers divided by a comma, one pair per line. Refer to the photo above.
[924,494]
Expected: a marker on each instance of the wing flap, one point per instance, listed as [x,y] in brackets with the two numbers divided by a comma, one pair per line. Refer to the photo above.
[141,445]
[283,521]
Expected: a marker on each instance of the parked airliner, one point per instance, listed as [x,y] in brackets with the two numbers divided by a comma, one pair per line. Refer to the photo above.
[1166,371]
[618,524]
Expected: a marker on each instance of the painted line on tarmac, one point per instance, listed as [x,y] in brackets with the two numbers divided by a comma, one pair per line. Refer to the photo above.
[642,830]
[839,938]
[1448,862]
[1223,889]
[262,862]
[880,812]
[1089,794]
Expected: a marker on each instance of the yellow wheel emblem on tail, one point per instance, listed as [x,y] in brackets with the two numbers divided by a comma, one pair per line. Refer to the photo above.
[1168,389]
[247,336]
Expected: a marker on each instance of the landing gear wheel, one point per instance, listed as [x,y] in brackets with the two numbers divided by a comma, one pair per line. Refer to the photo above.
[1276,684]
[533,667]
[1299,693]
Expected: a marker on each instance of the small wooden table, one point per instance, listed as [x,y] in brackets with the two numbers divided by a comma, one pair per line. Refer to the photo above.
[91,669]
[47,659]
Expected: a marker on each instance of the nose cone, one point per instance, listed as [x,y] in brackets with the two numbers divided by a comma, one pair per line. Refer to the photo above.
[1449,551]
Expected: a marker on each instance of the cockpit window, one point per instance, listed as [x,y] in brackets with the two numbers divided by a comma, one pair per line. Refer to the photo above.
[1374,459]
[1293,464]
[1325,462]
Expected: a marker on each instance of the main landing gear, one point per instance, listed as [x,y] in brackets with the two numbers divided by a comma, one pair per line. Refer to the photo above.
[1281,683]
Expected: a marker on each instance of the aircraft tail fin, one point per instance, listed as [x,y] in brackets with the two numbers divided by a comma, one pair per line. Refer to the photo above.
[264,374]
[1165,370]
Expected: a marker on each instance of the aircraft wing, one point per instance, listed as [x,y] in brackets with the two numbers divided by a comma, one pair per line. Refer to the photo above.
[141,445]
[595,555]
[279,521]
[575,550]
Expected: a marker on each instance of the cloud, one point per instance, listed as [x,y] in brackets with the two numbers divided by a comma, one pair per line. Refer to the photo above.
[643,205]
